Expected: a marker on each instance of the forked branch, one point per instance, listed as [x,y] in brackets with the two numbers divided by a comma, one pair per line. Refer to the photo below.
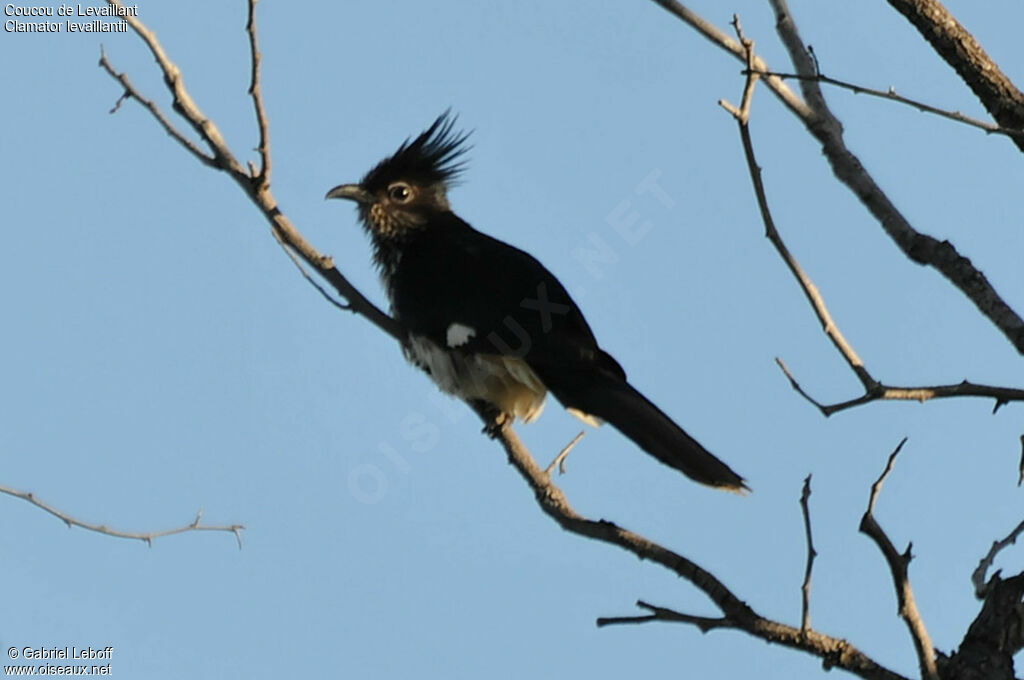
[982,584]
[898,563]
[876,391]
[873,389]
[822,124]
[918,247]
[256,184]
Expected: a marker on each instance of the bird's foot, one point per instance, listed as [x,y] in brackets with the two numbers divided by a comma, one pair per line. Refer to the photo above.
[495,419]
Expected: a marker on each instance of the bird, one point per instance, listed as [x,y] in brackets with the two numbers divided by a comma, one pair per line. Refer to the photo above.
[487,321]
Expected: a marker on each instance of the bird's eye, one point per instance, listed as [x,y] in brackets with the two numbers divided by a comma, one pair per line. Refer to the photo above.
[400,192]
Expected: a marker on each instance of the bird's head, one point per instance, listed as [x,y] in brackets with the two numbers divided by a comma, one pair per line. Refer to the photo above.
[400,194]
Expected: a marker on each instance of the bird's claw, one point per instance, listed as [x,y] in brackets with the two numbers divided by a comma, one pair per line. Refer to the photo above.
[495,420]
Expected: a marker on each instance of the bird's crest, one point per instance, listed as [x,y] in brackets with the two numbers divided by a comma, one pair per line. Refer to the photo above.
[435,156]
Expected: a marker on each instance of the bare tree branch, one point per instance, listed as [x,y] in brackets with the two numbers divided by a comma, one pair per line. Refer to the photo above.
[957,46]
[183,103]
[742,116]
[898,566]
[873,389]
[753,62]
[131,92]
[742,119]
[891,95]
[147,536]
[834,652]
[994,637]
[980,576]
[742,113]
[297,261]
[811,291]
[663,614]
[257,188]
[819,121]
[805,589]
[919,247]
[256,93]
[1020,466]
[882,392]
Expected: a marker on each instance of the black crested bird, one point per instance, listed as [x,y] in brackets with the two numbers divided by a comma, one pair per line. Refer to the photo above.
[489,322]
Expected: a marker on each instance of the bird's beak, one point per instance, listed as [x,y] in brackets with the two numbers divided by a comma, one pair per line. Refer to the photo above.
[352,192]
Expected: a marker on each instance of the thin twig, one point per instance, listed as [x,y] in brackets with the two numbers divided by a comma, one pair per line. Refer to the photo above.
[559,460]
[255,91]
[805,589]
[898,563]
[183,103]
[810,290]
[796,386]
[891,94]
[748,49]
[980,576]
[704,623]
[882,392]
[297,261]
[742,112]
[722,40]
[146,537]
[876,488]
[131,93]
[1020,466]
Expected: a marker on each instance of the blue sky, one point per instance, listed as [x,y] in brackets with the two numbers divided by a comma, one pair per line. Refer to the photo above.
[160,354]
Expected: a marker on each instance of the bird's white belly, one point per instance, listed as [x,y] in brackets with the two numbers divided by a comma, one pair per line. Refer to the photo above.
[506,382]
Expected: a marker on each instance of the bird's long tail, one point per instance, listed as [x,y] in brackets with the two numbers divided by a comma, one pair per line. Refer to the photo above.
[614,400]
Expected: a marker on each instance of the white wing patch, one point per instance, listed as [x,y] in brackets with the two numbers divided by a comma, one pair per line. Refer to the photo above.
[458,335]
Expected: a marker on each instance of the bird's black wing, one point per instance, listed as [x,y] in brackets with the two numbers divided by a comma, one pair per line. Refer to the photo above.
[512,304]
[515,307]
